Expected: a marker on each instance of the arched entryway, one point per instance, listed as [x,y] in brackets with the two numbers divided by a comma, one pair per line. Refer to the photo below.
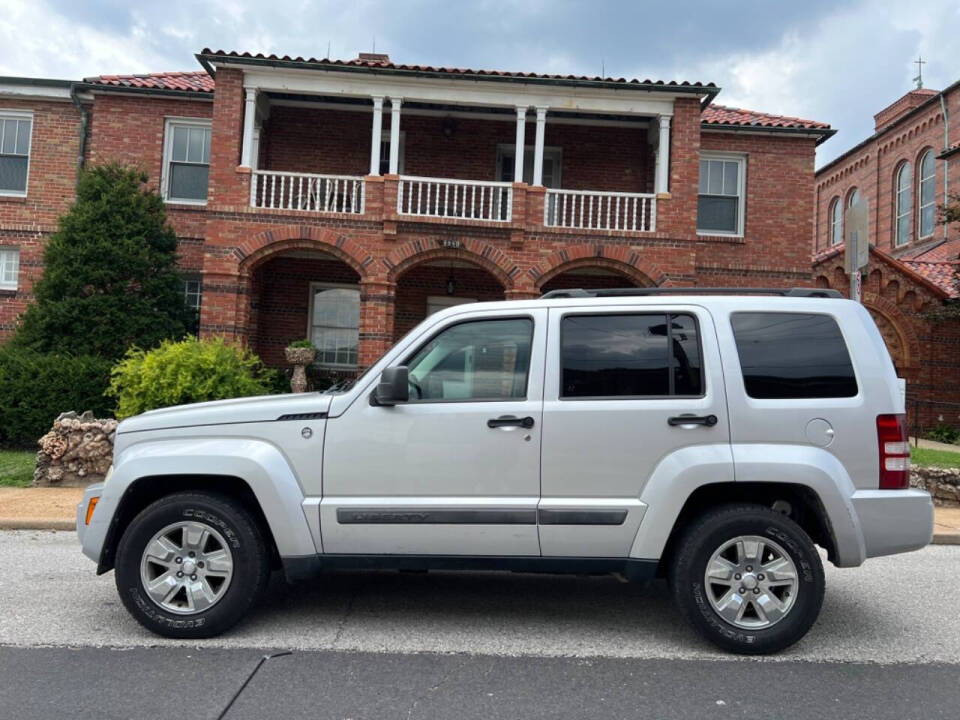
[305,293]
[438,283]
[593,275]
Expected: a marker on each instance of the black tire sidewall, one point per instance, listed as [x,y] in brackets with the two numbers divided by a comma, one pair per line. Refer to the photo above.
[250,564]
[706,537]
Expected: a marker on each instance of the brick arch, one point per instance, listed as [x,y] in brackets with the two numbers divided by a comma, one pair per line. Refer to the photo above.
[262,246]
[897,331]
[484,256]
[619,258]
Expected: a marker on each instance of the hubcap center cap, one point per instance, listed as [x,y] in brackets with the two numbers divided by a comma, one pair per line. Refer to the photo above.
[189,567]
[750,581]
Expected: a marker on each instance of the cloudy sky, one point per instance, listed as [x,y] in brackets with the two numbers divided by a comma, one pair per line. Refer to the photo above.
[835,61]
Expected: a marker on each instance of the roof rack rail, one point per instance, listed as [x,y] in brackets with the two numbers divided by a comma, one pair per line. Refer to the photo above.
[628,292]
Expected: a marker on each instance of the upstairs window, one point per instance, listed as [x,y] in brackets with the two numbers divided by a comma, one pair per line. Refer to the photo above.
[903,205]
[630,356]
[15,130]
[720,201]
[836,222]
[9,268]
[927,193]
[186,166]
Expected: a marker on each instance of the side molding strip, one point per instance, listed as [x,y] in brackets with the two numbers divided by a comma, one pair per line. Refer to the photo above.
[420,516]
[582,517]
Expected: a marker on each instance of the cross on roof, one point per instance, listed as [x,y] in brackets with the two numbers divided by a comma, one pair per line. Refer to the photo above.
[919,62]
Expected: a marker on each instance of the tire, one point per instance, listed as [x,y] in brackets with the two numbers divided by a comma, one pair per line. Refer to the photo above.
[729,609]
[165,546]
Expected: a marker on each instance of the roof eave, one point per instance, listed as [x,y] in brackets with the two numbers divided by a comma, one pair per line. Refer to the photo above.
[208,60]
[822,134]
[203,95]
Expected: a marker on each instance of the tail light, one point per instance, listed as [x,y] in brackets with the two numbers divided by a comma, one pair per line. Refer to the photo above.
[894,452]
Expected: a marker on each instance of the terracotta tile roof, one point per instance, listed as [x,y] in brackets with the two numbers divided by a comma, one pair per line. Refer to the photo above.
[192,81]
[945,275]
[722,115]
[371,60]
[943,251]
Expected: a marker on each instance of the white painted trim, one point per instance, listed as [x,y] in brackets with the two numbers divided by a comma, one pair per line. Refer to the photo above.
[249,118]
[376,135]
[741,191]
[396,105]
[518,154]
[36,92]
[538,146]
[663,155]
[21,115]
[309,335]
[327,82]
[168,122]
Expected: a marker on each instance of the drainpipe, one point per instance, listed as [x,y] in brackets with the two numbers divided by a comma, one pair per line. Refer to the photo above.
[946,161]
[84,117]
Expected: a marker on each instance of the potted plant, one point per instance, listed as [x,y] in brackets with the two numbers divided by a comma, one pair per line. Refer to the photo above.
[300,353]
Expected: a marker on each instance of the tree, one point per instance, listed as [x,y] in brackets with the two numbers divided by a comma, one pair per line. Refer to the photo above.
[110,278]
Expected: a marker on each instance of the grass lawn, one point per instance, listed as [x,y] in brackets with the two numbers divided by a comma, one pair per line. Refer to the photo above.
[16,468]
[924,457]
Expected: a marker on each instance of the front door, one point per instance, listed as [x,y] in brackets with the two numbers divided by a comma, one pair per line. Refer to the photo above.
[619,382]
[456,470]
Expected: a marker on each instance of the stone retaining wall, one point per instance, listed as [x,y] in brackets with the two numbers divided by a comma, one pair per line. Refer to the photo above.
[76,452]
[942,483]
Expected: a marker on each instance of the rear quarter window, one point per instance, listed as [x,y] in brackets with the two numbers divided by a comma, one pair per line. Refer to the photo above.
[793,355]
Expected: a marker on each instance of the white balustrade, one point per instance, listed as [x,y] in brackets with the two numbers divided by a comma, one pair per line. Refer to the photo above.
[463,199]
[596,210]
[306,192]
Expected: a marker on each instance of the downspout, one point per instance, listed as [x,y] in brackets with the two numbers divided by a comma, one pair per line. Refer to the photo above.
[84,117]
[946,161]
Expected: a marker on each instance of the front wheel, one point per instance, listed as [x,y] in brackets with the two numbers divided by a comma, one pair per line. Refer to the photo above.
[748,579]
[191,565]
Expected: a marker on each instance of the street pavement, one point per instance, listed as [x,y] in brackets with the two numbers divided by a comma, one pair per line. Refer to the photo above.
[380,644]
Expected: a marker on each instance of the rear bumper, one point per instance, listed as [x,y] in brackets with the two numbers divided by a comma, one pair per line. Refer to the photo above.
[894,521]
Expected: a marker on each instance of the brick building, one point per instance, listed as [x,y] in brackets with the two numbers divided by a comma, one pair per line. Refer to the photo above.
[346,200]
[905,171]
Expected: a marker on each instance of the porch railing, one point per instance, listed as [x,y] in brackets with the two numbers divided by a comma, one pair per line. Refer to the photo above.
[306,192]
[463,199]
[596,210]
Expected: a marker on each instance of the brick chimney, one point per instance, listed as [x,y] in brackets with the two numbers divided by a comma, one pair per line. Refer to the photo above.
[374,58]
[897,109]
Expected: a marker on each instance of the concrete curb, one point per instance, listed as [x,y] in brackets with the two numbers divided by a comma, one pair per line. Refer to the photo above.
[37,524]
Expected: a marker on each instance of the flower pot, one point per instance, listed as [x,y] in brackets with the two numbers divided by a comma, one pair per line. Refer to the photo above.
[300,357]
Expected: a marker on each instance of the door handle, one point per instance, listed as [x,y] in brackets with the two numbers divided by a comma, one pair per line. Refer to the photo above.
[708,420]
[510,421]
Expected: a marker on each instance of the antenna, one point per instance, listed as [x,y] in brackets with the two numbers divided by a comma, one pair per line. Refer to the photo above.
[328,49]
[603,69]
[919,62]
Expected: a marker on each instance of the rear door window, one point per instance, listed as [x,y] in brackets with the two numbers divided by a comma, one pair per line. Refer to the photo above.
[793,355]
[630,355]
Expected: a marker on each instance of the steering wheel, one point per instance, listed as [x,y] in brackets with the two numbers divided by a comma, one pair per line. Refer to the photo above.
[416,386]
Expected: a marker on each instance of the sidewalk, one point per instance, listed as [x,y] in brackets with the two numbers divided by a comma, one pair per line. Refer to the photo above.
[56,509]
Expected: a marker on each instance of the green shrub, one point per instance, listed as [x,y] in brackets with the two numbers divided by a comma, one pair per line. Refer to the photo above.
[944,433]
[302,344]
[188,371]
[36,387]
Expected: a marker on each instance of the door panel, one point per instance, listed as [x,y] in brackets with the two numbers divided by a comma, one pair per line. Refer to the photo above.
[431,476]
[599,451]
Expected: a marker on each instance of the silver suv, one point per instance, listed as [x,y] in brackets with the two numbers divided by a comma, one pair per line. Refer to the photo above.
[713,438]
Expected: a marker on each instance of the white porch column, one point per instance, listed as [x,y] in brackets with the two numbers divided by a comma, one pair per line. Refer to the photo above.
[518,145]
[663,156]
[538,146]
[395,104]
[375,137]
[249,116]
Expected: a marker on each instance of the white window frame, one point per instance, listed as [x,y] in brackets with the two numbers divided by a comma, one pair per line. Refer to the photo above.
[897,214]
[5,254]
[554,152]
[836,222]
[309,334]
[932,178]
[20,115]
[442,302]
[741,160]
[168,125]
[186,291]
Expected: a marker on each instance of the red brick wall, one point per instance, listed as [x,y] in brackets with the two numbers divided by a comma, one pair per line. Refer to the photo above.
[415,286]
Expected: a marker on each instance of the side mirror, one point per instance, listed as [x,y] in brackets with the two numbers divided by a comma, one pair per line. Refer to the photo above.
[393,387]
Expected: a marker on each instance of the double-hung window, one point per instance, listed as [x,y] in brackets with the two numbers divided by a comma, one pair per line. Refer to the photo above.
[720,200]
[186,163]
[15,130]
[9,268]
[335,324]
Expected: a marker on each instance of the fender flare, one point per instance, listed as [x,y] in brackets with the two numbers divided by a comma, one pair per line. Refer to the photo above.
[259,464]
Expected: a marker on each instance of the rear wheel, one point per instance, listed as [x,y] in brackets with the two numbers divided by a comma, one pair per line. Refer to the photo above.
[748,579]
[191,565]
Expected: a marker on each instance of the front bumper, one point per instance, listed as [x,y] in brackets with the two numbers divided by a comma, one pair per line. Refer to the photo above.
[894,521]
[91,536]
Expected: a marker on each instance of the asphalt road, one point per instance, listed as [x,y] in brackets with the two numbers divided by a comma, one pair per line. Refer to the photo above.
[380,644]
